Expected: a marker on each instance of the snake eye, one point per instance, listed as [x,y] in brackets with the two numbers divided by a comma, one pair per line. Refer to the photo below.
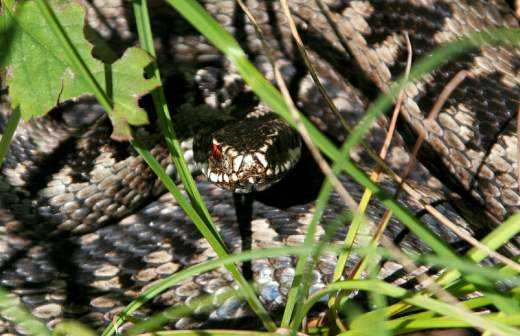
[216,151]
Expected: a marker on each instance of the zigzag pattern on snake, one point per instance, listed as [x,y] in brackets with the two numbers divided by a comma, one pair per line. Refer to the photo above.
[67,187]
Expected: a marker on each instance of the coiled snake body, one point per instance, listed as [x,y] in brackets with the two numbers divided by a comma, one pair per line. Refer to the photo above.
[85,225]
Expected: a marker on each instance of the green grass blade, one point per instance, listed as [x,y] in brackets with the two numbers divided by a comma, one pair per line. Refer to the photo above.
[144,30]
[9,130]
[471,304]
[491,273]
[15,117]
[446,323]
[498,237]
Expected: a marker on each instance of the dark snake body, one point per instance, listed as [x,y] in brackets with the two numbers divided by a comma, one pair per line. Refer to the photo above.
[85,228]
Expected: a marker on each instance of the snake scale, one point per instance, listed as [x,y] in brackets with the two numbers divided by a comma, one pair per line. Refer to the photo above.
[85,226]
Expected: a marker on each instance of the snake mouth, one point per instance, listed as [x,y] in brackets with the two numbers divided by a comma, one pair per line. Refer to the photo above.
[250,155]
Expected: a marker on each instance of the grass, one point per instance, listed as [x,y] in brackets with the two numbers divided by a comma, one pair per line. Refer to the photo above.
[413,310]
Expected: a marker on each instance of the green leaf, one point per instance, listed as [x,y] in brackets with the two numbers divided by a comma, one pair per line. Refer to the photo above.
[129,85]
[40,74]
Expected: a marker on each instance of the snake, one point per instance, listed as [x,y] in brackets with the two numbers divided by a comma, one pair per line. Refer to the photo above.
[86,226]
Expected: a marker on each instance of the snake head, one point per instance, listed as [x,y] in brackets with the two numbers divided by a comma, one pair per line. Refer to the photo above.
[249,155]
